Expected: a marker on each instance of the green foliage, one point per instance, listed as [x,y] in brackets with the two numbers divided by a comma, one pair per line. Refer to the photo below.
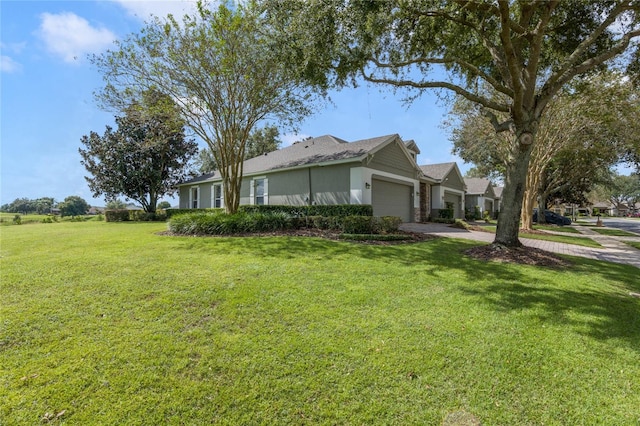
[163,205]
[144,158]
[17,220]
[152,329]
[120,215]
[116,204]
[374,237]
[357,225]
[219,61]
[461,224]
[204,223]
[314,210]
[174,212]
[73,206]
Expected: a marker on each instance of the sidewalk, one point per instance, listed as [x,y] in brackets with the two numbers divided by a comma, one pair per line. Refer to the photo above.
[613,250]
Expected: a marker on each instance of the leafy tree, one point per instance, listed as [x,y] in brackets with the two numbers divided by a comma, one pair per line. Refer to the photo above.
[73,206]
[163,205]
[625,191]
[260,142]
[526,51]
[44,205]
[221,67]
[586,130]
[116,204]
[144,158]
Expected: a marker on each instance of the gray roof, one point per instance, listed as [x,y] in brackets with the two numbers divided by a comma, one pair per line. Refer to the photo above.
[323,149]
[437,171]
[477,186]
[498,191]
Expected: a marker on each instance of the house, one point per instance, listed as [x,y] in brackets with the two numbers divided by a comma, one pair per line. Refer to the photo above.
[480,192]
[380,171]
[447,189]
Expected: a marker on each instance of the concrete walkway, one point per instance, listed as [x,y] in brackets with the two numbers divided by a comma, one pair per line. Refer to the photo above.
[613,249]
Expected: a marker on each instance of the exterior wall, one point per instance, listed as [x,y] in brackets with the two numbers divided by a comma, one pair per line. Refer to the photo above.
[362,177]
[392,159]
[440,194]
[204,195]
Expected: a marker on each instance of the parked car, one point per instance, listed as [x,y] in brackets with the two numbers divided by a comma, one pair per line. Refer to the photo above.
[552,217]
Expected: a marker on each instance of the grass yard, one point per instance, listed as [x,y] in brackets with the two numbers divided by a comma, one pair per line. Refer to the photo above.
[567,239]
[565,229]
[614,232]
[633,244]
[110,323]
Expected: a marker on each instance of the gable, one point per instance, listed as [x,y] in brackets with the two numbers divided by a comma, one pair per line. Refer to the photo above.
[393,159]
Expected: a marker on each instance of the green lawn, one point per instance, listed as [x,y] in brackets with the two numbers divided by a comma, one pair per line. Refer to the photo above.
[633,244]
[614,232]
[566,229]
[110,323]
[567,239]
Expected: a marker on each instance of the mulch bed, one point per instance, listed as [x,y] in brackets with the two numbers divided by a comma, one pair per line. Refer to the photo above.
[519,255]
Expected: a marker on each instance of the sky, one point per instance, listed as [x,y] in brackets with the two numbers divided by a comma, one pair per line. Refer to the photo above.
[47,103]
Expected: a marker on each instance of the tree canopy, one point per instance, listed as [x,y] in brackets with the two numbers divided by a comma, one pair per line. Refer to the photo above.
[144,158]
[221,67]
[73,206]
[526,51]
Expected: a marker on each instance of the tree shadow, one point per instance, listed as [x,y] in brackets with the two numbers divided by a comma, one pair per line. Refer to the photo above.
[611,312]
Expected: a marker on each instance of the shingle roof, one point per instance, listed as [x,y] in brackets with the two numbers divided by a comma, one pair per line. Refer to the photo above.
[477,186]
[498,191]
[322,149]
[437,171]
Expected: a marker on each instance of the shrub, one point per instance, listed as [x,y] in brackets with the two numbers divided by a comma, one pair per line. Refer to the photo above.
[172,212]
[386,224]
[459,223]
[117,215]
[340,210]
[357,225]
[217,223]
[17,220]
[142,216]
[443,220]
[374,237]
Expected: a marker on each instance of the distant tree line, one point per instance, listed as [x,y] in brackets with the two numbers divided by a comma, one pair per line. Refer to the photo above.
[71,206]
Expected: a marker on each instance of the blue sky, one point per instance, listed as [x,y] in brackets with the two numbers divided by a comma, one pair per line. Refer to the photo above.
[47,104]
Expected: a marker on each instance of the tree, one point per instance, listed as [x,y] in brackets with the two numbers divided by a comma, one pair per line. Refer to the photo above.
[73,206]
[163,205]
[625,191]
[116,204]
[145,158]
[586,130]
[222,69]
[526,51]
[260,142]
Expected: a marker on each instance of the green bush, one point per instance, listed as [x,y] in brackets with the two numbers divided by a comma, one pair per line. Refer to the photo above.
[443,220]
[117,215]
[217,223]
[386,224]
[142,216]
[173,212]
[459,223]
[17,220]
[340,210]
[375,237]
[357,225]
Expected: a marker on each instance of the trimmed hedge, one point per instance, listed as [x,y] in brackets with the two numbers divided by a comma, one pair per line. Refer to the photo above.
[173,212]
[119,215]
[340,210]
[218,223]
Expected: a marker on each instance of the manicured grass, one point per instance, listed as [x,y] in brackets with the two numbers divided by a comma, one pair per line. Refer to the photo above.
[110,323]
[614,232]
[633,244]
[566,229]
[567,239]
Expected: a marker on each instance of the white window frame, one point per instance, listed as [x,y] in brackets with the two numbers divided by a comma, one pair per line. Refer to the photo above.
[213,195]
[197,197]
[252,190]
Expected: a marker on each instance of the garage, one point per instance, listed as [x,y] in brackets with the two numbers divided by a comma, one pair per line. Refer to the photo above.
[392,199]
[455,200]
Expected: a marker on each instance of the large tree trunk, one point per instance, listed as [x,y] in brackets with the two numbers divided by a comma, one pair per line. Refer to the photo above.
[515,185]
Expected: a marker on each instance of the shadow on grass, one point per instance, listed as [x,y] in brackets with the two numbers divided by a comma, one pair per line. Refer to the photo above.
[601,313]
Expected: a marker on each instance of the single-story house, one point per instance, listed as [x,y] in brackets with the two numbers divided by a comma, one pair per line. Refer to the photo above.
[480,192]
[447,189]
[380,171]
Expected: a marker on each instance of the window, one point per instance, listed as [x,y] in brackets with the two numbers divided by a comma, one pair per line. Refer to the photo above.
[217,196]
[259,191]
[194,202]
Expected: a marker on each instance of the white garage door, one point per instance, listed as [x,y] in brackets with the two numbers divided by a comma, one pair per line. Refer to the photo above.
[391,199]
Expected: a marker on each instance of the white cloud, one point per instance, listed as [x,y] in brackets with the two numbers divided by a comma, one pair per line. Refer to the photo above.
[144,9]
[72,37]
[8,65]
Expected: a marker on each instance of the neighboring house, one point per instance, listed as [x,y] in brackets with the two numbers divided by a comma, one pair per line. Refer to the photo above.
[480,192]
[380,171]
[448,188]
[497,190]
